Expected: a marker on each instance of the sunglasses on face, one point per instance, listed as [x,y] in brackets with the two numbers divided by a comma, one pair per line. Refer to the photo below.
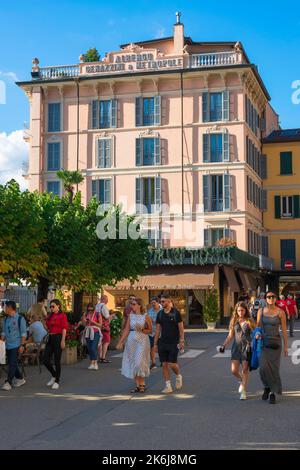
[52,306]
[271,297]
[133,303]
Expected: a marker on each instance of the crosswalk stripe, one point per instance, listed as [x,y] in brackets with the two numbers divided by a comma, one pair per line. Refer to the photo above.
[190,354]
[227,353]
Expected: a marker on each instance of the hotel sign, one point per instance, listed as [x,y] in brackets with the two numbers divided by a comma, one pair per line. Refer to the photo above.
[133,63]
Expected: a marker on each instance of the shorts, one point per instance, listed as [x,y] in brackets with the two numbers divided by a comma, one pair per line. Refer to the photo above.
[168,352]
[151,339]
[105,337]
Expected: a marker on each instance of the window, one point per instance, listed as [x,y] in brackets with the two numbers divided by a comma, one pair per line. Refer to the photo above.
[214,235]
[101,189]
[53,187]
[104,149]
[53,156]
[215,106]
[288,254]
[54,117]
[252,117]
[216,193]
[148,111]
[148,194]
[104,114]
[148,151]
[287,207]
[216,147]
[154,236]
[286,163]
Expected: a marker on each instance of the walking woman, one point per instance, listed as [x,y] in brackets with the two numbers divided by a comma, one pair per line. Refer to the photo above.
[240,330]
[270,318]
[136,357]
[57,325]
[92,333]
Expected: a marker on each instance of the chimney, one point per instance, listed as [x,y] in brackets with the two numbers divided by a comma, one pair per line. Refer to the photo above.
[178,35]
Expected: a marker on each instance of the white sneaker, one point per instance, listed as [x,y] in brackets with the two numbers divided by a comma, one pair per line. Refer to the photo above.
[178,382]
[241,387]
[243,395]
[51,382]
[91,367]
[19,382]
[55,386]
[168,388]
[6,386]
[96,367]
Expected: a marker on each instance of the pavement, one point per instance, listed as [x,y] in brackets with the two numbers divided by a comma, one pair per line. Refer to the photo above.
[94,409]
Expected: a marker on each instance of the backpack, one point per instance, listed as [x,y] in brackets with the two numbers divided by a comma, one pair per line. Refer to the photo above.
[19,323]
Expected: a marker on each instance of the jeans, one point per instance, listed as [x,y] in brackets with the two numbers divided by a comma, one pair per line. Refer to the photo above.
[92,346]
[13,369]
[53,348]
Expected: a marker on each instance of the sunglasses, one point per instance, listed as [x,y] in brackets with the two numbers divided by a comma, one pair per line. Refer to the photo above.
[52,306]
[133,303]
[271,297]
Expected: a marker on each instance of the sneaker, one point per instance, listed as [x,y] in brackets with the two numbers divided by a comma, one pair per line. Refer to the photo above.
[19,382]
[179,382]
[240,387]
[96,367]
[168,388]
[51,382]
[266,394]
[6,386]
[153,366]
[243,395]
[55,386]
[91,367]
[272,399]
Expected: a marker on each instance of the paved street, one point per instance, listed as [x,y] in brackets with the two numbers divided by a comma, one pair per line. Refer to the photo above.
[93,409]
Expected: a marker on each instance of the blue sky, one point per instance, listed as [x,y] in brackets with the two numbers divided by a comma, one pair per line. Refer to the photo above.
[57,32]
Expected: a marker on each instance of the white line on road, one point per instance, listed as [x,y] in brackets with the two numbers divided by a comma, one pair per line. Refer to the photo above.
[190,354]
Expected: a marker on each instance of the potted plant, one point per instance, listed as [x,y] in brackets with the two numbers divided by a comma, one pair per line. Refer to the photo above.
[69,354]
[211,309]
[115,329]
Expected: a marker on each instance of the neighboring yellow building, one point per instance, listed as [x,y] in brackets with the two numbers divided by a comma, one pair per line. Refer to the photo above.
[282,217]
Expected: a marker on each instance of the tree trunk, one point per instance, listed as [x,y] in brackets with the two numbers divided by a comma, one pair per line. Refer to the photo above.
[43,287]
[78,305]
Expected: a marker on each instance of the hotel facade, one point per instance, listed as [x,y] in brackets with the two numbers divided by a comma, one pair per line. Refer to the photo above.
[172,129]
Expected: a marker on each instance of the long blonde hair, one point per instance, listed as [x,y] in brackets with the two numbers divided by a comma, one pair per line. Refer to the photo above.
[235,317]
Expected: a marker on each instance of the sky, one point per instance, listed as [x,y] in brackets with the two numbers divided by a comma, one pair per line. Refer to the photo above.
[58,32]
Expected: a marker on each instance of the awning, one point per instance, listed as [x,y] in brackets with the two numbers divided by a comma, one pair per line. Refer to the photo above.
[231,279]
[171,277]
[245,280]
[253,281]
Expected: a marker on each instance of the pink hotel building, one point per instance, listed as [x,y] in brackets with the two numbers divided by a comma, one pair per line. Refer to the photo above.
[164,122]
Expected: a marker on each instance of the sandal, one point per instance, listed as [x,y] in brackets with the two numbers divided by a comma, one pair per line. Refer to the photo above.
[142,388]
[135,390]
[105,361]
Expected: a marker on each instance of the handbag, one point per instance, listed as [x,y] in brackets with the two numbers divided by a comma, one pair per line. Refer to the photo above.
[2,352]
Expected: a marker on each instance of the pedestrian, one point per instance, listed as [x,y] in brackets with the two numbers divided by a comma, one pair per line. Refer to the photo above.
[281,303]
[169,339]
[57,325]
[136,356]
[37,329]
[93,322]
[105,329]
[37,311]
[270,319]
[14,334]
[291,306]
[153,312]
[127,310]
[240,330]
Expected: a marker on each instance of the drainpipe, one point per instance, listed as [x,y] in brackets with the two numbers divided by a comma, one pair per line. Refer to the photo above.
[77,132]
[182,144]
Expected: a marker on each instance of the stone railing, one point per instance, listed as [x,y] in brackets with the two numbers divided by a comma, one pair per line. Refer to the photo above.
[265,263]
[63,71]
[216,59]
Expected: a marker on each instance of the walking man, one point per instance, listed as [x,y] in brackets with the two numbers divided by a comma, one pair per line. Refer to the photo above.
[169,339]
[14,334]
[291,306]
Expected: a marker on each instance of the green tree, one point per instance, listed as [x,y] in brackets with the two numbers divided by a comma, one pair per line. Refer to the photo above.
[211,306]
[69,179]
[22,235]
[92,55]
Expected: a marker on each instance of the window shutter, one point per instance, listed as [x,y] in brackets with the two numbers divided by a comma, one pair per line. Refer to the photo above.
[101,153]
[114,113]
[225,108]
[296,200]
[265,246]
[206,148]
[227,233]
[263,166]
[286,166]
[139,151]
[264,200]
[94,188]
[206,193]
[277,207]
[139,112]
[157,193]
[205,107]
[207,233]
[95,114]
[138,195]
[226,148]
[157,110]
[157,151]
[107,191]
[108,146]
[226,192]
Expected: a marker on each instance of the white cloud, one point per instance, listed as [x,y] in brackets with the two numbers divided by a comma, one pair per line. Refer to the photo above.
[10,75]
[13,154]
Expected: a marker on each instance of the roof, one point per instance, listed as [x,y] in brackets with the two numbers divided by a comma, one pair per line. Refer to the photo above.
[187,40]
[283,135]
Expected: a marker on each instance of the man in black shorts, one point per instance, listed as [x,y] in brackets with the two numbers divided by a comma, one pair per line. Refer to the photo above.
[169,338]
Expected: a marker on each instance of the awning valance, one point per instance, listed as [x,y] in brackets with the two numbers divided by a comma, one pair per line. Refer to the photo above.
[231,279]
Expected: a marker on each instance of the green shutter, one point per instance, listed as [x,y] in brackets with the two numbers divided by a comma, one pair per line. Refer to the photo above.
[277,207]
[296,206]
[286,165]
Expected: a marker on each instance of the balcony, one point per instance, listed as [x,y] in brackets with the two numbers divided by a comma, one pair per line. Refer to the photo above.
[63,71]
[266,263]
[216,59]
[229,255]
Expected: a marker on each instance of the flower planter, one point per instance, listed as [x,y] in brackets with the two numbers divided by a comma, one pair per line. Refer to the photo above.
[69,356]
[211,325]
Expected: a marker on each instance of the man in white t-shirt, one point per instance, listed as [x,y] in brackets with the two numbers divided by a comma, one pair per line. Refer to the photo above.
[101,307]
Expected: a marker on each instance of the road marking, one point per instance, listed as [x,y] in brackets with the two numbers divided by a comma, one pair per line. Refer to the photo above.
[190,354]
[227,353]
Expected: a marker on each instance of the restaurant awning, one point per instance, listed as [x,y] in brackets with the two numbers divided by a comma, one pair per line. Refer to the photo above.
[231,279]
[244,279]
[171,277]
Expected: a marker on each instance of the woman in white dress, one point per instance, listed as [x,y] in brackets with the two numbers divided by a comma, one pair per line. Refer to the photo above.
[136,357]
